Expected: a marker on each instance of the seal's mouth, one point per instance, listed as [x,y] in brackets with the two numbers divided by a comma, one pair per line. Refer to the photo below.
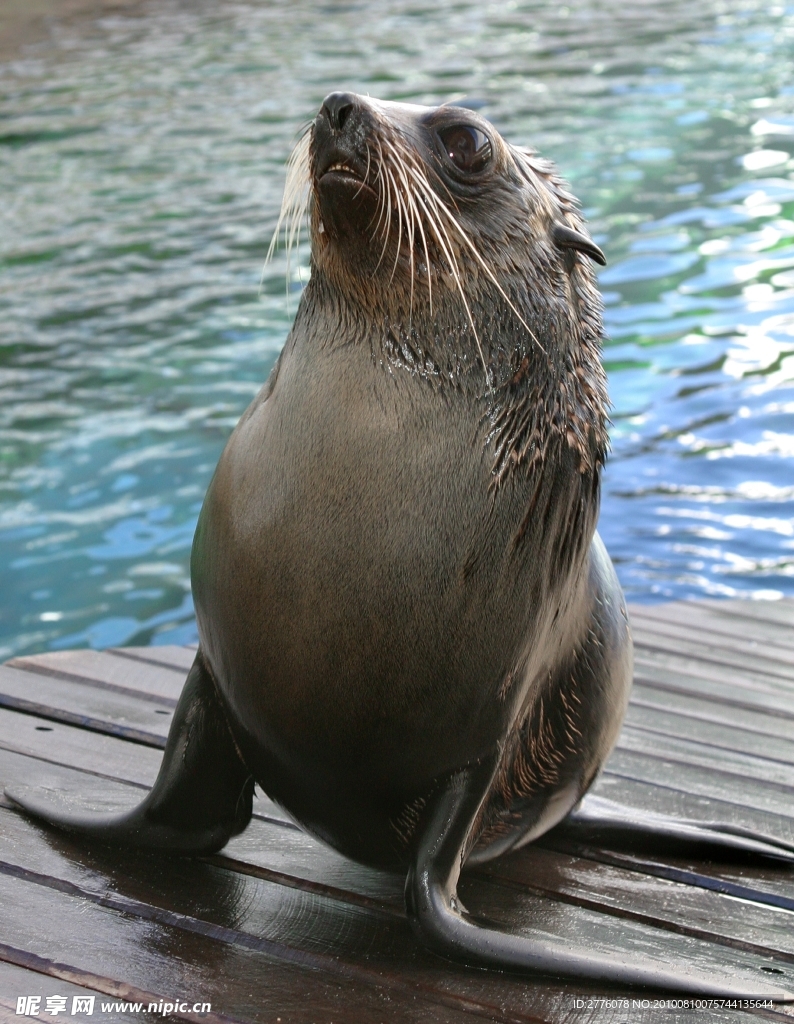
[345,198]
[345,170]
[335,166]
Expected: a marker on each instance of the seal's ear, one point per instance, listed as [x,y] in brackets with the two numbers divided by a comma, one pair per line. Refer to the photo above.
[566,238]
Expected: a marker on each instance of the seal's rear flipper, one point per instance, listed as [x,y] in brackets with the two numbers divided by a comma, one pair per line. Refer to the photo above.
[443,924]
[202,795]
[597,820]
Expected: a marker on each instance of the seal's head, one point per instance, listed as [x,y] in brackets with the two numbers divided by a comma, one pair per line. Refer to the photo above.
[468,251]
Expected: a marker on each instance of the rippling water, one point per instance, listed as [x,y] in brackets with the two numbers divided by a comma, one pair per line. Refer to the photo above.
[141,165]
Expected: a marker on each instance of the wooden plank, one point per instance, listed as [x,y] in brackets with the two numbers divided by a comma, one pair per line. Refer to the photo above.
[716,623]
[271,865]
[296,860]
[143,719]
[99,667]
[713,659]
[587,884]
[65,744]
[711,737]
[671,794]
[700,709]
[778,612]
[266,908]
[264,915]
[764,886]
[773,669]
[766,883]
[705,628]
[716,785]
[59,855]
[137,719]
[58,744]
[73,747]
[725,763]
[78,747]
[168,655]
[21,981]
[104,755]
[732,690]
[685,909]
[109,757]
[113,938]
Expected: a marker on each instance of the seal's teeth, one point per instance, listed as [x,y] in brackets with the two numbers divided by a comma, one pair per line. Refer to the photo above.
[321,228]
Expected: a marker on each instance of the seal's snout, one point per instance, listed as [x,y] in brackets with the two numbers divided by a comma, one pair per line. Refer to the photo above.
[341,164]
[337,108]
[340,130]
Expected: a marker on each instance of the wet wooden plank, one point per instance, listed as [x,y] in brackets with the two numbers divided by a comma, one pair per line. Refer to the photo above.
[64,744]
[295,860]
[140,719]
[303,859]
[698,743]
[197,896]
[292,858]
[675,773]
[676,660]
[105,755]
[60,744]
[712,735]
[687,909]
[761,885]
[121,942]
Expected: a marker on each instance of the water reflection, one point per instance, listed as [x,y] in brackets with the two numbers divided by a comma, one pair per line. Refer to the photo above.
[141,163]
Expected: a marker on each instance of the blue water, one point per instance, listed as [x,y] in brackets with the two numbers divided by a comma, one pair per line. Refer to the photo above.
[141,166]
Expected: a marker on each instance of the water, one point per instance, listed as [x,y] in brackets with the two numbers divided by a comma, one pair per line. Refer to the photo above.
[141,164]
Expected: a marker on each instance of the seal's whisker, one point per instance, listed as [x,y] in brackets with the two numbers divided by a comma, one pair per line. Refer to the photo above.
[442,235]
[417,220]
[403,214]
[399,238]
[294,203]
[443,239]
[489,273]
[366,174]
[406,201]
[386,210]
[384,199]
[296,195]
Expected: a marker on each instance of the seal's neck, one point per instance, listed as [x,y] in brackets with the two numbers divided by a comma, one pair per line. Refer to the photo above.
[529,364]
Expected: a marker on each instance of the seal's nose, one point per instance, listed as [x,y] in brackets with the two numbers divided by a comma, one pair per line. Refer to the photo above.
[337,107]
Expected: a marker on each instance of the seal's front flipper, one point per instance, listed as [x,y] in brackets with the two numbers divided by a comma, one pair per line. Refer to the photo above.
[202,795]
[440,921]
[597,820]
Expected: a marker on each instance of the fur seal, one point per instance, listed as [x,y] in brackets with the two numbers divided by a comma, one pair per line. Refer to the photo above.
[411,635]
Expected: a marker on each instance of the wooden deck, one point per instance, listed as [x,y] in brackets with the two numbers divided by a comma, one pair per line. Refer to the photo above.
[279,929]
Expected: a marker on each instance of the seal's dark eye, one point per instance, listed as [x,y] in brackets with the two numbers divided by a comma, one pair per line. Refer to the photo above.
[468,148]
